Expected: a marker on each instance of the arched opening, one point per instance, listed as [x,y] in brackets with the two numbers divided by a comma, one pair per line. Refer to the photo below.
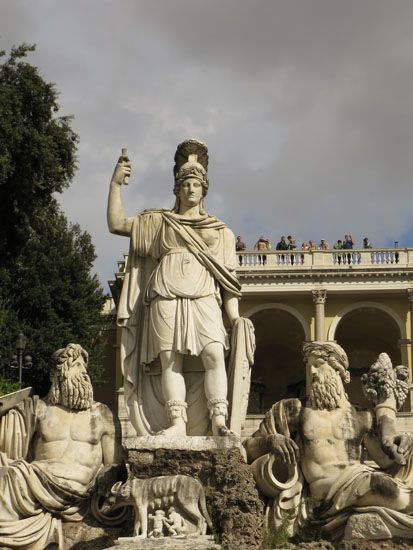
[364,333]
[278,371]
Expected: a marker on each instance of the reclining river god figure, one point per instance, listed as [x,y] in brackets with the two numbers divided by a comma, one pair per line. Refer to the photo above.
[179,275]
[306,455]
[53,454]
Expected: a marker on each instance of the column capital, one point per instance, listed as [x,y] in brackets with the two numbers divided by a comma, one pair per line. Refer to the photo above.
[320,296]
[410,295]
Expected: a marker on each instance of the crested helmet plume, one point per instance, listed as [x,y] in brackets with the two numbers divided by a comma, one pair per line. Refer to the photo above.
[191,152]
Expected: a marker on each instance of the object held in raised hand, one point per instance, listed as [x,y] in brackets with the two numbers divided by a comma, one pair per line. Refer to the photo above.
[125,158]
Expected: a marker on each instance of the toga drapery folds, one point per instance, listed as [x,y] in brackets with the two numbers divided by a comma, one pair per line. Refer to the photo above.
[176,271]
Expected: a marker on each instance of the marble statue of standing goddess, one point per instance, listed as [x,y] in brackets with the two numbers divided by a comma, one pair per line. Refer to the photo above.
[179,275]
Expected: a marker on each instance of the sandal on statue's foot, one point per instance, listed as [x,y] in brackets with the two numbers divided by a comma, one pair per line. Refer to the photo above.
[223,430]
[176,413]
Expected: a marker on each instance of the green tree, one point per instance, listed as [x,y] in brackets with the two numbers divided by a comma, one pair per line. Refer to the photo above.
[37,149]
[46,287]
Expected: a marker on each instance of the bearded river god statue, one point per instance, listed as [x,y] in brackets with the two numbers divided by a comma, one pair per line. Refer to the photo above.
[53,454]
[180,274]
[306,455]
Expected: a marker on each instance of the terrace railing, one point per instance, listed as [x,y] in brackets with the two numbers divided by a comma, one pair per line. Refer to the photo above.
[327,259]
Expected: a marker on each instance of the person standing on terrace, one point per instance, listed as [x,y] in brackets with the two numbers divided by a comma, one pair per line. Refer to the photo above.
[367,243]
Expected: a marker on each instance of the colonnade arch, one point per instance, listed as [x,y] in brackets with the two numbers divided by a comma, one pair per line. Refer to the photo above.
[364,330]
[278,370]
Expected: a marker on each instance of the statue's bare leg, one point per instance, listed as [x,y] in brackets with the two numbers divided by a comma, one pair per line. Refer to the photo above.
[174,392]
[216,386]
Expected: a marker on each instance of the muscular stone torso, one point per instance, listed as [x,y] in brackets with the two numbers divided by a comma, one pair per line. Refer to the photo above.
[69,443]
[331,441]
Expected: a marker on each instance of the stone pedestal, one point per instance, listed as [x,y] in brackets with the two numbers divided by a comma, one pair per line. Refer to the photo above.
[168,543]
[370,526]
[367,526]
[219,464]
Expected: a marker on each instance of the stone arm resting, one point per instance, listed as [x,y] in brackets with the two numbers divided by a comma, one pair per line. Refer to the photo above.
[113,465]
[397,446]
[275,433]
[281,446]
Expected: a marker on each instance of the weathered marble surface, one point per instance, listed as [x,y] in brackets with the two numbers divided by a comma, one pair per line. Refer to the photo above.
[205,542]
[313,447]
[195,443]
[52,453]
[163,506]
[366,526]
[232,498]
[179,276]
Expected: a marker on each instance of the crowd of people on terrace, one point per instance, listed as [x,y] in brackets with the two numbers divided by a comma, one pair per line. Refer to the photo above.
[263,244]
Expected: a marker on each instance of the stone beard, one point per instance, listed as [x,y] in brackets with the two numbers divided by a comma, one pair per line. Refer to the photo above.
[326,391]
[72,389]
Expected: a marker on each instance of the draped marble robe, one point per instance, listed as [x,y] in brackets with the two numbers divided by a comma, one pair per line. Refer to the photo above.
[171,300]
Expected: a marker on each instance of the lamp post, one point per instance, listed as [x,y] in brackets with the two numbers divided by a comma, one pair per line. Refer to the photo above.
[17,361]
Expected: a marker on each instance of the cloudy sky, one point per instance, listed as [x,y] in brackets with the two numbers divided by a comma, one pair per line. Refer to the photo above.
[306,107]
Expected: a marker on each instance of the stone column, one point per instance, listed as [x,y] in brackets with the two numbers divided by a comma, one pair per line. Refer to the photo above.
[410,297]
[319,299]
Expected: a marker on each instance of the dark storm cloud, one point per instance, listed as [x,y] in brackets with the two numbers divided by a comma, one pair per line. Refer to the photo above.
[305,106]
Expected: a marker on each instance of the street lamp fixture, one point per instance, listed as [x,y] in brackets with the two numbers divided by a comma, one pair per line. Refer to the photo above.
[17,361]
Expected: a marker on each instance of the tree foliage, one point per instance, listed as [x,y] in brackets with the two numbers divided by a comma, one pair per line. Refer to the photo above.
[46,287]
[37,149]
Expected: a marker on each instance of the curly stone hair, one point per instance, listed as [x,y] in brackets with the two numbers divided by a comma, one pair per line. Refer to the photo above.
[332,353]
[61,362]
[63,358]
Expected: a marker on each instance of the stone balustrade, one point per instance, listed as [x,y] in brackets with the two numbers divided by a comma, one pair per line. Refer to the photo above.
[326,259]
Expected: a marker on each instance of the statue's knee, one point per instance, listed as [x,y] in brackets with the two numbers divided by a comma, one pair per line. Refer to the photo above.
[213,355]
[383,485]
[387,488]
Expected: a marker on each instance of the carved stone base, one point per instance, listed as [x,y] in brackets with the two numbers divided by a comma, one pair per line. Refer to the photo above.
[199,542]
[368,526]
[88,534]
[218,463]
[195,443]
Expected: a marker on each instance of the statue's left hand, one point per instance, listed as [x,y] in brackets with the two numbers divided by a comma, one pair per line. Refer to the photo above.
[399,447]
[404,442]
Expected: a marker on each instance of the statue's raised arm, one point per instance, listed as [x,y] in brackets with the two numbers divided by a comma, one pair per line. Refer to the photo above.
[118,223]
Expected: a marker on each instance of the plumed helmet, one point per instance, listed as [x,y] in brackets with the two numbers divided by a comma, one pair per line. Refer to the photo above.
[191,152]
